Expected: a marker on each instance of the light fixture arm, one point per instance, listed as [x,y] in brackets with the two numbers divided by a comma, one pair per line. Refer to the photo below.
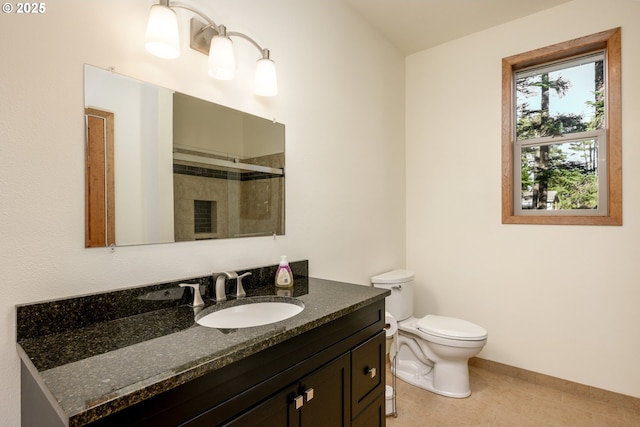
[219,29]
[264,52]
[178,5]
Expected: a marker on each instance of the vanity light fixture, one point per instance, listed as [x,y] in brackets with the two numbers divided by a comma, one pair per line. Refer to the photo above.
[222,60]
[163,40]
[162,37]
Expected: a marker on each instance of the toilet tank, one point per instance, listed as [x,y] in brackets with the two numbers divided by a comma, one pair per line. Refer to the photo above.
[400,283]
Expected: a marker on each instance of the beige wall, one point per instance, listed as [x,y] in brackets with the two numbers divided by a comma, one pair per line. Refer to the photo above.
[560,300]
[344,114]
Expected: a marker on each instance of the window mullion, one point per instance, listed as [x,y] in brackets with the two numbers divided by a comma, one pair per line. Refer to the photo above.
[570,137]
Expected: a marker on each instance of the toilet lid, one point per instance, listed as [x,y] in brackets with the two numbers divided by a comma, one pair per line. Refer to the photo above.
[450,327]
[393,277]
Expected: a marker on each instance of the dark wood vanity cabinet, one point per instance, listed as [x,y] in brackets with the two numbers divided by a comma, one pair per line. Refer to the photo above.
[319,399]
[332,375]
[350,387]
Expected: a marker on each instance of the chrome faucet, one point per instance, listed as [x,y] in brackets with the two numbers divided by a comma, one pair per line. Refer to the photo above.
[221,281]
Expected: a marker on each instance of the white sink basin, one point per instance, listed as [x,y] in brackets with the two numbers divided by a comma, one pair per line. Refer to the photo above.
[251,312]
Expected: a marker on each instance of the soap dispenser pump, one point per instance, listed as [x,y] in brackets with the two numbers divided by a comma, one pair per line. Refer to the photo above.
[284,276]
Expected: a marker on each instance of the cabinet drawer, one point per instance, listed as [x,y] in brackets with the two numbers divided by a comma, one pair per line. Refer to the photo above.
[367,372]
[373,416]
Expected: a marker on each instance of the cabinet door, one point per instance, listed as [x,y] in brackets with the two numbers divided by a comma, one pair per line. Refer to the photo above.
[326,396]
[367,372]
[275,411]
[320,399]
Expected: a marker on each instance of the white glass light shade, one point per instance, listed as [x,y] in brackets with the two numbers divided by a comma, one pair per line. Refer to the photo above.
[162,37]
[222,60]
[266,82]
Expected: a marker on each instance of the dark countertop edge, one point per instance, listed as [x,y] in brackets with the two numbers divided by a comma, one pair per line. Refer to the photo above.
[38,379]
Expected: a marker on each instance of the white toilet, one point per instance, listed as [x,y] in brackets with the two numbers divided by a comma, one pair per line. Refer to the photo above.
[432,352]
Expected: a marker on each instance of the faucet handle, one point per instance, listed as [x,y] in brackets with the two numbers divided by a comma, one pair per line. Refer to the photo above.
[240,290]
[197,298]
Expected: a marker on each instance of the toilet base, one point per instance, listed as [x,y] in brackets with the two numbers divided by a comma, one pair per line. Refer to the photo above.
[415,374]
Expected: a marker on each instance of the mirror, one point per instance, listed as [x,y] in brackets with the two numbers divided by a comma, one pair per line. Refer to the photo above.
[162,166]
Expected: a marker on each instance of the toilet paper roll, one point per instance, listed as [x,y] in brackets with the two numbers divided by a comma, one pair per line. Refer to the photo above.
[391,325]
[391,331]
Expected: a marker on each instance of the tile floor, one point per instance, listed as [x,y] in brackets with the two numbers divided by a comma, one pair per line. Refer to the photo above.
[501,401]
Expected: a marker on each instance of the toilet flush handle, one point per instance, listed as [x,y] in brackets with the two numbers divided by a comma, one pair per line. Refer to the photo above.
[397,288]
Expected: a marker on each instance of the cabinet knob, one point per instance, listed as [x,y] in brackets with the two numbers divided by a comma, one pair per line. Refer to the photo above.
[298,401]
[309,394]
[371,372]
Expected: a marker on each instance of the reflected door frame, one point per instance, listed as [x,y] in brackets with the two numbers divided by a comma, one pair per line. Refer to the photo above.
[100,229]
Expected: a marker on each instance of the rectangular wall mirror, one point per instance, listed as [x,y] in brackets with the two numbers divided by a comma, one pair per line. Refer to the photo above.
[162,166]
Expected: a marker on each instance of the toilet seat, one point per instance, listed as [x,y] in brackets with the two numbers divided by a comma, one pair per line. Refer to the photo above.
[451,328]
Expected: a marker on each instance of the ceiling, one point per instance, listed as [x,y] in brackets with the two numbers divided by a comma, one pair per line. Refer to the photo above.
[415,25]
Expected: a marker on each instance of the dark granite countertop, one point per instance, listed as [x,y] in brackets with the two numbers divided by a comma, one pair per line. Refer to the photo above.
[94,368]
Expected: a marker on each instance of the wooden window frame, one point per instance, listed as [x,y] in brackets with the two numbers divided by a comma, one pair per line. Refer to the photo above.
[610,42]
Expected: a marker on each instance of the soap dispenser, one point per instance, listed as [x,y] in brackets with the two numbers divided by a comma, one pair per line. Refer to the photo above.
[284,276]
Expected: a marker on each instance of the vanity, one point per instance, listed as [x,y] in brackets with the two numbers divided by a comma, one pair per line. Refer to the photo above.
[136,357]
[141,356]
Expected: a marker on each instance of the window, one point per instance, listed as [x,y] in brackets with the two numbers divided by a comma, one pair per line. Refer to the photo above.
[561,133]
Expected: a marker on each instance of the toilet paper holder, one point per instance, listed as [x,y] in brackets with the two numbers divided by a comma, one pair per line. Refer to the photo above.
[391,331]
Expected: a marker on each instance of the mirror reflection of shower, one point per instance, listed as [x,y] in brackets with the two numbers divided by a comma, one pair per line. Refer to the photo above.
[182,168]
